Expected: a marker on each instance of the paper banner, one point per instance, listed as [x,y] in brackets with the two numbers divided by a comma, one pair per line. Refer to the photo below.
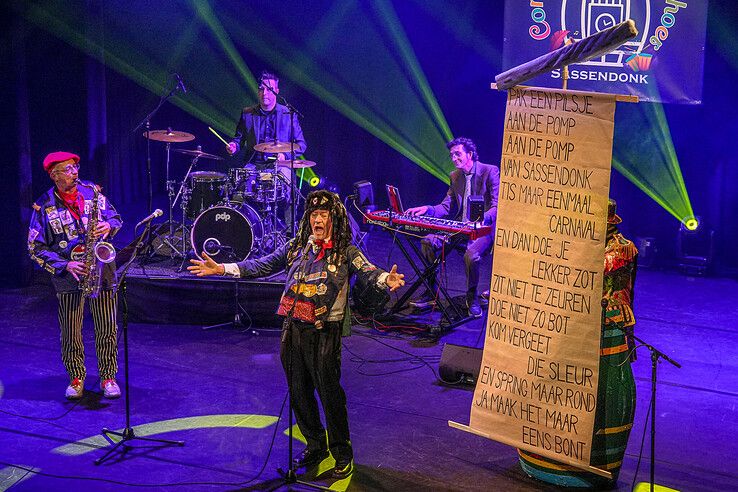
[537,386]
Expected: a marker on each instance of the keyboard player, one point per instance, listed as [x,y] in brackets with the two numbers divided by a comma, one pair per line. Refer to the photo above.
[470,178]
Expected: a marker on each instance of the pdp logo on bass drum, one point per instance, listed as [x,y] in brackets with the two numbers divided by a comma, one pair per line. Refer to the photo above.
[224,216]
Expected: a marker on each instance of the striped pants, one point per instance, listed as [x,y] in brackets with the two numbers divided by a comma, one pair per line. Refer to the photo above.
[104,312]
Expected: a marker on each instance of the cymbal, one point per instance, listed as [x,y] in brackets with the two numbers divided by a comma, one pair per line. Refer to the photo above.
[273,147]
[169,135]
[298,164]
[199,154]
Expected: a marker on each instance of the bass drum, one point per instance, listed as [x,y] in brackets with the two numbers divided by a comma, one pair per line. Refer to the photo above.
[227,234]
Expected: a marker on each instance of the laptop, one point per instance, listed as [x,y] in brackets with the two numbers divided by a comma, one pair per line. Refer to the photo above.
[395,202]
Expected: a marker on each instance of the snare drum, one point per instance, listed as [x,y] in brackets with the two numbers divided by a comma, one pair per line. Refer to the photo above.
[269,188]
[206,188]
[227,234]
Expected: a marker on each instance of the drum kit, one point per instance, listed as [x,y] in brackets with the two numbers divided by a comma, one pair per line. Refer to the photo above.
[230,216]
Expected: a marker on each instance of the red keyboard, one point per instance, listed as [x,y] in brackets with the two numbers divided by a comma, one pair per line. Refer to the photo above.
[427,225]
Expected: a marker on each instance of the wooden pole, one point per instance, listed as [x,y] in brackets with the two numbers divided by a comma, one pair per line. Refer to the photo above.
[630,98]
[581,51]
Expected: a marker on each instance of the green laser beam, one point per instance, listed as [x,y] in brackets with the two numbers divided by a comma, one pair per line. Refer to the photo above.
[645,155]
[125,62]
[206,13]
[721,34]
[399,108]
[457,19]
[314,74]
[389,16]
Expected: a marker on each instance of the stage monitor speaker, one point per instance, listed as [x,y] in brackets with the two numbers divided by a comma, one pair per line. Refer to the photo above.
[364,194]
[460,364]
[476,208]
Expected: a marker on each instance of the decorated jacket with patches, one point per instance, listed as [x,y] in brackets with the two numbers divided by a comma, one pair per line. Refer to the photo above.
[621,259]
[317,284]
[55,237]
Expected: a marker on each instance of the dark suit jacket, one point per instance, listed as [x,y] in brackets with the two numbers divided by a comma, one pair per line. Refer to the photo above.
[485,182]
[250,131]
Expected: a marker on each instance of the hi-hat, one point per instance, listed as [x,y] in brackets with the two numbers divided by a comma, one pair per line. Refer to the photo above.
[298,164]
[273,147]
[199,154]
[169,135]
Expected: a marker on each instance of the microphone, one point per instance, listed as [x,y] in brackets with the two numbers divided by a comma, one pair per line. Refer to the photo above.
[180,84]
[310,242]
[213,247]
[156,213]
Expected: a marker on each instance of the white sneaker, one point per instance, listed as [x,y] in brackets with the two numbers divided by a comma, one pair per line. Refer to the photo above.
[75,390]
[110,388]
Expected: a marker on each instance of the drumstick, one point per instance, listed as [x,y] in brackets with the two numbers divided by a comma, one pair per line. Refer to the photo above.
[216,134]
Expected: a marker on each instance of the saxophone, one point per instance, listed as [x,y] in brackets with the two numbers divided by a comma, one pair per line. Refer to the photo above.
[97,252]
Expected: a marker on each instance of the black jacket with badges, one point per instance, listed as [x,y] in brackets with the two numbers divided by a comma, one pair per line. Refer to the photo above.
[55,237]
[317,286]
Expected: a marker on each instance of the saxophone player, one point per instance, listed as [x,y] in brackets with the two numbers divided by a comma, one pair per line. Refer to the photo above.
[56,241]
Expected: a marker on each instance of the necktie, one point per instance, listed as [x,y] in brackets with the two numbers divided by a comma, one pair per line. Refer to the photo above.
[465,200]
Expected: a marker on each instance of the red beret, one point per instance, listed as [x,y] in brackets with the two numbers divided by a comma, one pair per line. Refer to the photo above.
[54,158]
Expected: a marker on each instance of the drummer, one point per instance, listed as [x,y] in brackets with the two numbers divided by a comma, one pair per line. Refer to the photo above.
[266,122]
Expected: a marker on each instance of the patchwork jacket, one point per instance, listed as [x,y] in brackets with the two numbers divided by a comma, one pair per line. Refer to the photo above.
[317,284]
[55,237]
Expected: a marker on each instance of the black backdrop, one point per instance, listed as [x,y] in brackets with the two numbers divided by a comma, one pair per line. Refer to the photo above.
[57,98]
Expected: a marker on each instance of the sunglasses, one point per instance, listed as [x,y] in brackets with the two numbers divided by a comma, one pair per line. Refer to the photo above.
[67,170]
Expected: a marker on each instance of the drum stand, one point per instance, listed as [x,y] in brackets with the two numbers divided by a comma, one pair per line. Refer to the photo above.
[170,194]
[278,233]
[171,240]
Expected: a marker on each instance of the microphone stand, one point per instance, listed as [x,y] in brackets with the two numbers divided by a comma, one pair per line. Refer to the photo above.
[656,354]
[293,112]
[293,208]
[147,123]
[128,434]
[289,477]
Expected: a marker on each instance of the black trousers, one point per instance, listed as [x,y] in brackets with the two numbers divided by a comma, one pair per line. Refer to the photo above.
[316,366]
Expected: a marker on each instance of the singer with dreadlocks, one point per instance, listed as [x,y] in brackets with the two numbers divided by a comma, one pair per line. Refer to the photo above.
[319,264]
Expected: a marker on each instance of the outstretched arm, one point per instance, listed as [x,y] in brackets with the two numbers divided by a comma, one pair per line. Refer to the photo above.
[206,267]
[394,280]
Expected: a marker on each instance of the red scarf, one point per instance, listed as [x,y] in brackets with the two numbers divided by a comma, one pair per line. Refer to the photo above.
[323,244]
[74,201]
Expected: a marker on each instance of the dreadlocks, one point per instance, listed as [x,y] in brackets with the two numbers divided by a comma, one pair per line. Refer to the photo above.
[323,200]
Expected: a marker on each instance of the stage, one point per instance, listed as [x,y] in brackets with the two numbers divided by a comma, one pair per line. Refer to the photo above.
[222,390]
[204,119]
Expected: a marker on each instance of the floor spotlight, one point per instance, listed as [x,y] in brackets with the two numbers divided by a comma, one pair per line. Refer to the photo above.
[691,223]
[695,246]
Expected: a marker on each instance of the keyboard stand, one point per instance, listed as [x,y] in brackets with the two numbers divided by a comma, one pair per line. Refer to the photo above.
[451,313]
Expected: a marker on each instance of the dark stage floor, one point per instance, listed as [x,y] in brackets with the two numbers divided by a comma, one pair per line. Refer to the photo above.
[221,392]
